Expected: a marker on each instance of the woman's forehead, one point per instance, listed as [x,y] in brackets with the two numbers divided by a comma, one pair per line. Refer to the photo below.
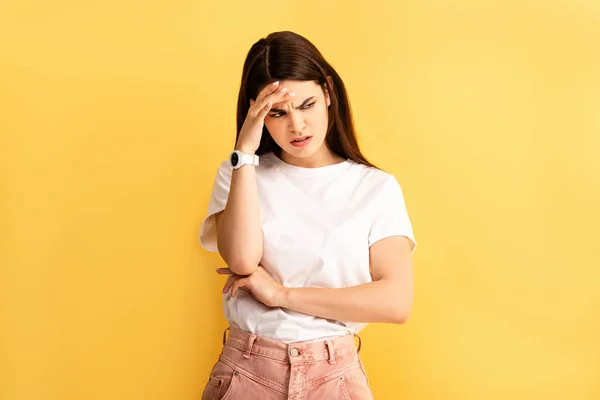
[301,87]
[296,102]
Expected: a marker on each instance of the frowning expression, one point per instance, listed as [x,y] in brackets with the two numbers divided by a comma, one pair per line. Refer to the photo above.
[299,123]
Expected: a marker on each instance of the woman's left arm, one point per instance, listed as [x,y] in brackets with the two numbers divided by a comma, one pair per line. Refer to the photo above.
[389,298]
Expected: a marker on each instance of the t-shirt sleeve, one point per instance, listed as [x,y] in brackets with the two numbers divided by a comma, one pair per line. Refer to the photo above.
[217,203]
[390,217]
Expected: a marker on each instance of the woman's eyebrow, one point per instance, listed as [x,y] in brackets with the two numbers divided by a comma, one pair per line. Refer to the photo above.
[300,106]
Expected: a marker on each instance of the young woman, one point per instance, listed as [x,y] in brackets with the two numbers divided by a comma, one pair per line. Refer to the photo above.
[317,240]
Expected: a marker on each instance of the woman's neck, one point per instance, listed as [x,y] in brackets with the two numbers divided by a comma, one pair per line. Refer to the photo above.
[321,158]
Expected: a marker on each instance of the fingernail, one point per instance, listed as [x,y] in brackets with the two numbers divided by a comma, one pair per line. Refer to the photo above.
[283,90]
[275,83]
[291,94]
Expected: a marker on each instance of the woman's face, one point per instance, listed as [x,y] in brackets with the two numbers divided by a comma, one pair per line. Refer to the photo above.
[301,116]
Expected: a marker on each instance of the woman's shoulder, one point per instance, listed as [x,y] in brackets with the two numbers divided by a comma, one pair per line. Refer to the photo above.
[371,175]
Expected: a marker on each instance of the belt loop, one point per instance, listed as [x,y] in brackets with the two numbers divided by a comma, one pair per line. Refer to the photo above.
[225,335]
[249,344]
[331,351]
[359,343]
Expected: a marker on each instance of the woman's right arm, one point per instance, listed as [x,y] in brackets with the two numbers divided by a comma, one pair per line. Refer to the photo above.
[239,230]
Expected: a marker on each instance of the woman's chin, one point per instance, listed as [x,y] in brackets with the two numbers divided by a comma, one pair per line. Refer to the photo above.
[302,152]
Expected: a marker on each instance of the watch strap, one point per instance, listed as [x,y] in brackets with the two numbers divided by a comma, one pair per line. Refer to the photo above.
[242,159]
[249,159]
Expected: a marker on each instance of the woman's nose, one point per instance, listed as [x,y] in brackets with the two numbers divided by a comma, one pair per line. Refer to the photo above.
[297,122]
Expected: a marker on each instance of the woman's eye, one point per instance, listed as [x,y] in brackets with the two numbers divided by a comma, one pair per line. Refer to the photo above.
[277,115]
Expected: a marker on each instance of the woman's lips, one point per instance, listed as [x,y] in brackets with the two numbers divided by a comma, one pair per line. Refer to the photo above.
[303,143]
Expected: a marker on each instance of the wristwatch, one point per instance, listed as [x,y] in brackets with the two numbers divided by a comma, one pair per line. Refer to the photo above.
[237,159]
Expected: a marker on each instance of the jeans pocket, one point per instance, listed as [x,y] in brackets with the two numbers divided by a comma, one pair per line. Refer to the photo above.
[355,385]
[220,382]
[213,388]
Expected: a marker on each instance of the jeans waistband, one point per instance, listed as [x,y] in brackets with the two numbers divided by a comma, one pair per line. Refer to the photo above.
[294,353]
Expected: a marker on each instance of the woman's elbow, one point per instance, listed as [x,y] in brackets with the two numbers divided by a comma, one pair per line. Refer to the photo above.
[242,267]
[401,318]
[399,314]
[242,263]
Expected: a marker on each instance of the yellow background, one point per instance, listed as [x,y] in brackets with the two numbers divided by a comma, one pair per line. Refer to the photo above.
[114,116]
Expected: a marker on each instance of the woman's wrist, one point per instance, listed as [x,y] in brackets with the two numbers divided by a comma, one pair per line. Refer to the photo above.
[283,297]
[245,149]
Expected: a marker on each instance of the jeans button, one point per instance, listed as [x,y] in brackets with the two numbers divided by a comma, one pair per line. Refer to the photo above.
[294,352]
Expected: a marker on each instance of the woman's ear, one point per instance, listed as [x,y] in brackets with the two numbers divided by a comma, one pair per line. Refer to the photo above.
[327,97]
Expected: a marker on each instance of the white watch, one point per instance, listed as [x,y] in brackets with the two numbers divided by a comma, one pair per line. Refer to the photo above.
[237,159]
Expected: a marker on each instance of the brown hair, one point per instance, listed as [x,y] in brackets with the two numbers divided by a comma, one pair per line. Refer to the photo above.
[289,56]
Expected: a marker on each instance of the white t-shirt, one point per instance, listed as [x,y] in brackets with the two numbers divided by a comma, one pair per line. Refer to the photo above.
[318,225]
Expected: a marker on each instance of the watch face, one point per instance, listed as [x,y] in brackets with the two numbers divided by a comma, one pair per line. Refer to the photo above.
[235,159]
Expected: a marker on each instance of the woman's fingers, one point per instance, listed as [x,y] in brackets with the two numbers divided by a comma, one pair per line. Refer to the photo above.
[267,90]
[230,279]
[228,284]
[238,284]
[224,271]
[262,113]
[278,95]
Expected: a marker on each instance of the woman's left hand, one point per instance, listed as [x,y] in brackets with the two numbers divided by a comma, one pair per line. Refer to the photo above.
[260,284]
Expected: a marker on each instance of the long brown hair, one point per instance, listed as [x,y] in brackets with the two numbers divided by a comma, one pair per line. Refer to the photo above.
[288,56]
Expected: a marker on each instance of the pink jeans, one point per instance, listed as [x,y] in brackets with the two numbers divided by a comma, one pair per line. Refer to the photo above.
[253,367]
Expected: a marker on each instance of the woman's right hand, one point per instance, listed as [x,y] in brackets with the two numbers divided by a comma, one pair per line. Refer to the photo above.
[251,132]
